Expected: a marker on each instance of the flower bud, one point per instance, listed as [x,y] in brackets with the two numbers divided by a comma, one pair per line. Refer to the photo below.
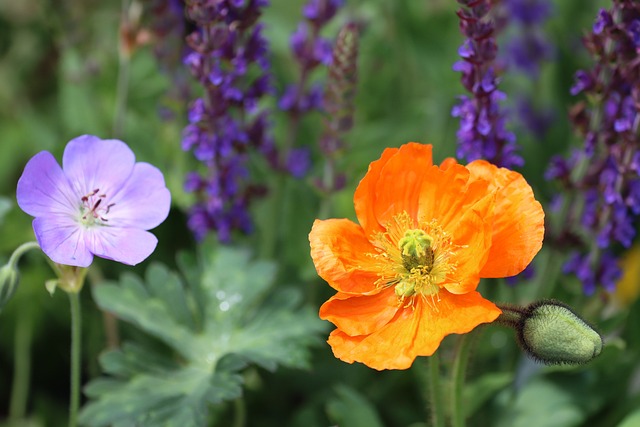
[9,279]
[553,334]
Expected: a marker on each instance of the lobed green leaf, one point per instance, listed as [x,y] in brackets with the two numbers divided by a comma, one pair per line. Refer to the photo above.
[229,316]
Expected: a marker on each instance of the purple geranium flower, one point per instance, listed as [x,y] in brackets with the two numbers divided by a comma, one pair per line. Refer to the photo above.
[101,202]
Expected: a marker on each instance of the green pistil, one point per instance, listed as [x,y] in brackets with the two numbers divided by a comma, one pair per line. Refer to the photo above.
[415,248]
[405,289]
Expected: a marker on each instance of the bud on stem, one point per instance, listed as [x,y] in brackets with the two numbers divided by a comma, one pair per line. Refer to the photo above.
[552,333]
[9,274]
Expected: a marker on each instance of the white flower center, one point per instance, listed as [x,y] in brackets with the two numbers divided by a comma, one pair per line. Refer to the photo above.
[94,208]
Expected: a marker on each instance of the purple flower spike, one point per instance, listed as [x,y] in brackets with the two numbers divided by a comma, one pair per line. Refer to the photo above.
[482,132]
[101,202]
[602,175]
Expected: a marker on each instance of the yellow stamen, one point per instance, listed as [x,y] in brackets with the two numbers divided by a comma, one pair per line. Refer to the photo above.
[414,258]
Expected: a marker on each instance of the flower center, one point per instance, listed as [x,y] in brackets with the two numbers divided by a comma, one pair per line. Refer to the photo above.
[94,209]
[414,258]
[417,259]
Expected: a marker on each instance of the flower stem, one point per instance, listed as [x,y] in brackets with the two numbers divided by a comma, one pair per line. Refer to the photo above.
[457,378]
[437,414]
[551,267]
[240,410]
[328,183]
[21,250]
[22,367]
[74,299]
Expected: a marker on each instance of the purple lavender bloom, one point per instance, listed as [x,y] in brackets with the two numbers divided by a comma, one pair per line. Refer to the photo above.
[301,103]
[230,60]
[526,49]
[100,203]
[603,21]
[298,162]
[605,170]
[634,32]
[583,82]
[526,52]
[482,132]
[320,12]
[535,119]
[606,273]
[310,51]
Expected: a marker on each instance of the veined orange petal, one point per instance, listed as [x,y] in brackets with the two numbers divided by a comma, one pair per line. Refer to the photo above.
[518,222]
[391,185]
[365,195]
[398,189]
[473,236]
[361,315]
[445,194]
[414,331]
[338,250]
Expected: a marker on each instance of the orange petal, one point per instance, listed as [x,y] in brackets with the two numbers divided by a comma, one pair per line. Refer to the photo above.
[391,185]
[472,234]
[447,163]
[518,223]
[338,250]
[365,195]
[360,315]
[398,189]
[414,331]
[446,194]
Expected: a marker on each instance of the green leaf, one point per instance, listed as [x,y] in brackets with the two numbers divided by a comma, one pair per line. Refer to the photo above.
[631,420]
[352,409]
[559,406]
[484,388]
[230,315]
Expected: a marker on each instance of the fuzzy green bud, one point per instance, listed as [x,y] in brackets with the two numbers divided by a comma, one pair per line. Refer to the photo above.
[9,279]
[552,333]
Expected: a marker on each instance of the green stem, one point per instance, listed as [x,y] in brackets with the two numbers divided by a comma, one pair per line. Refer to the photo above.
[458,375]
[549,273]
[511,315]
[74,299]
[328,182]
[436,411]
[240,410]
[21,250]
[22,367]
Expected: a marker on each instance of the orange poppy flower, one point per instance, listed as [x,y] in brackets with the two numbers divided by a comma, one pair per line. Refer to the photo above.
[406,276]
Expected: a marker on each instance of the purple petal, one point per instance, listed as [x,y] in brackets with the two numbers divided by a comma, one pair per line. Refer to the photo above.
[63,240]
[92,163]
[126,245]
[143,202]
[43,188]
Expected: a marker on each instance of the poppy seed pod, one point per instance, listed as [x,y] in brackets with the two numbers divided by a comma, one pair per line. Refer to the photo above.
[552,333]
